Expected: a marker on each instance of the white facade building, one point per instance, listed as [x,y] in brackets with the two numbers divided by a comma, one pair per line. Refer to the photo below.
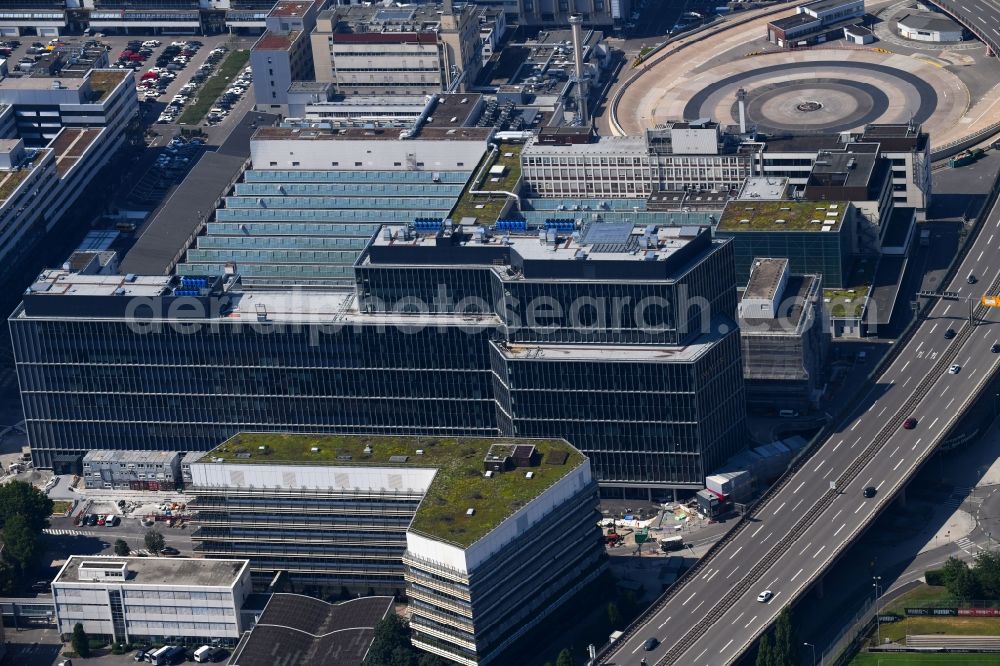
[152,598]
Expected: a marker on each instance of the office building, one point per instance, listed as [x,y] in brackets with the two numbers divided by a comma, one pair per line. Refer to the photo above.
[465,524]
[283,54]
[704,157]
[555,14]
[642,340]
[397,50]
[782,322]
[817,237]
[132,470]
[151,599]
[815,22]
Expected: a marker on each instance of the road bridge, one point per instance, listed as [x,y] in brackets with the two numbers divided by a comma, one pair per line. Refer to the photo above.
[712,616]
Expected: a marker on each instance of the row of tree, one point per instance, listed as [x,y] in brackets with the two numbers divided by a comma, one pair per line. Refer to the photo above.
[24,513]
[980,581]
[779,647]
[391,646]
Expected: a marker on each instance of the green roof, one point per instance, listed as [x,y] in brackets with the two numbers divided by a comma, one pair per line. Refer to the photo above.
[487,207]
[751,215]
[460,483]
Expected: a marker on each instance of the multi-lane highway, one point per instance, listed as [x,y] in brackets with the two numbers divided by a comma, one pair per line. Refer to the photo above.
[714,616]
[980,16]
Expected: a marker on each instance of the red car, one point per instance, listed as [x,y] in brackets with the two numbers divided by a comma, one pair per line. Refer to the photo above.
[910,423]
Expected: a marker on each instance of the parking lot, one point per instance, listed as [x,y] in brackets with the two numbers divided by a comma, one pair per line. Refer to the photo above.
[41,646]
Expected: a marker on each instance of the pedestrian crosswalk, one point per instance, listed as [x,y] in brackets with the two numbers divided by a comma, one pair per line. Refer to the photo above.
[967,544]
[957,497]
[89,533]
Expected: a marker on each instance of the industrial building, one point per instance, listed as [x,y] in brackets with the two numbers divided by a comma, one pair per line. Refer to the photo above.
[390,50]
[333,361]
[783,336]
[152,599]
[132,470]
[464,523]
[283,54]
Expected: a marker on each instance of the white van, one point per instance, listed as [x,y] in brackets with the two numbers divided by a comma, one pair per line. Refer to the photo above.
[203,654]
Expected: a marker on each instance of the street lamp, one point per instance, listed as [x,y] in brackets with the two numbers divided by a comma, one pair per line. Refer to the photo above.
[878,625]
[810,645]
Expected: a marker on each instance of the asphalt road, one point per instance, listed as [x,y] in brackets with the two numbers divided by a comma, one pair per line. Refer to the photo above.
[980,16]
[794,537]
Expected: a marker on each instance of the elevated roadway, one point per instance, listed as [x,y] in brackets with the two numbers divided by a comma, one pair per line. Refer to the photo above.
[982,17]
[712,616]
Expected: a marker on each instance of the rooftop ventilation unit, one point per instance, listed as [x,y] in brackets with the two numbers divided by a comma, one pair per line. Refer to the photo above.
[470,511]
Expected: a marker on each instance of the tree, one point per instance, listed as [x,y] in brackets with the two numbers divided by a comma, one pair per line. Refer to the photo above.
[81,641]
[122,548]
[8,578]
[428,659]
[765,654]
[565,658]
[959,579]
[785,646]
[18,498]
[986,572]
[154,541]
[391,637]
[615,616]
[20,542]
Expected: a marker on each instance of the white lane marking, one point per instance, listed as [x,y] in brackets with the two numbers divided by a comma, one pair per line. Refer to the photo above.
[747,625]
[834,450]
[934,326]
[718,570]
[837,514]
[948,307]
[821,549]
[883,410]
[915,445]
[637,648]
[726,646]
[860,507]
[935,421]
[855,425]
[949,403]
[664,622]
[991,235]
[841,527]
[799,502]
[738,617]
[907,381]
[736,553]
[706,574]
[701,653]
[879,486]
[828,473]
[856,442]
[689,599]
[894,452]
[732,572]
[779,508]
[903,369]
[799,487]
[919,346]
[819,465]
[980,257]
[755,532]
[695,609]
[769,535]
[898,464]
[795,576]
[803,551]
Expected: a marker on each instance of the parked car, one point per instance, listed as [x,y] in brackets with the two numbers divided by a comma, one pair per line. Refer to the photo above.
[169,550]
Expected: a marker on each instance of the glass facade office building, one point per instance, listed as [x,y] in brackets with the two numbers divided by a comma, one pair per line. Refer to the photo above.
[620,339]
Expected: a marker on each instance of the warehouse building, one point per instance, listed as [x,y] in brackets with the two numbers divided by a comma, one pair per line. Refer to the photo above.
[151,599]
[464,523]
[929,27]
[815,22]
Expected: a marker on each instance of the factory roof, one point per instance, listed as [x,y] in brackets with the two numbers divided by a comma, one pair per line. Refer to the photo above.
[459,484]
[930,21]
[783,216]
[111,456]
[58,282]
[174,572]
[606,145]
[370,134]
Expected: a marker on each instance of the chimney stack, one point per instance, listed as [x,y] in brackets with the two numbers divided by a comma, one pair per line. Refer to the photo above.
[741,98]
[582,84]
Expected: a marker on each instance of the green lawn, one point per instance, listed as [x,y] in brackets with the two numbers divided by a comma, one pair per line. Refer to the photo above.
[209,93]
[60,507]
[925,595]
[904,658]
